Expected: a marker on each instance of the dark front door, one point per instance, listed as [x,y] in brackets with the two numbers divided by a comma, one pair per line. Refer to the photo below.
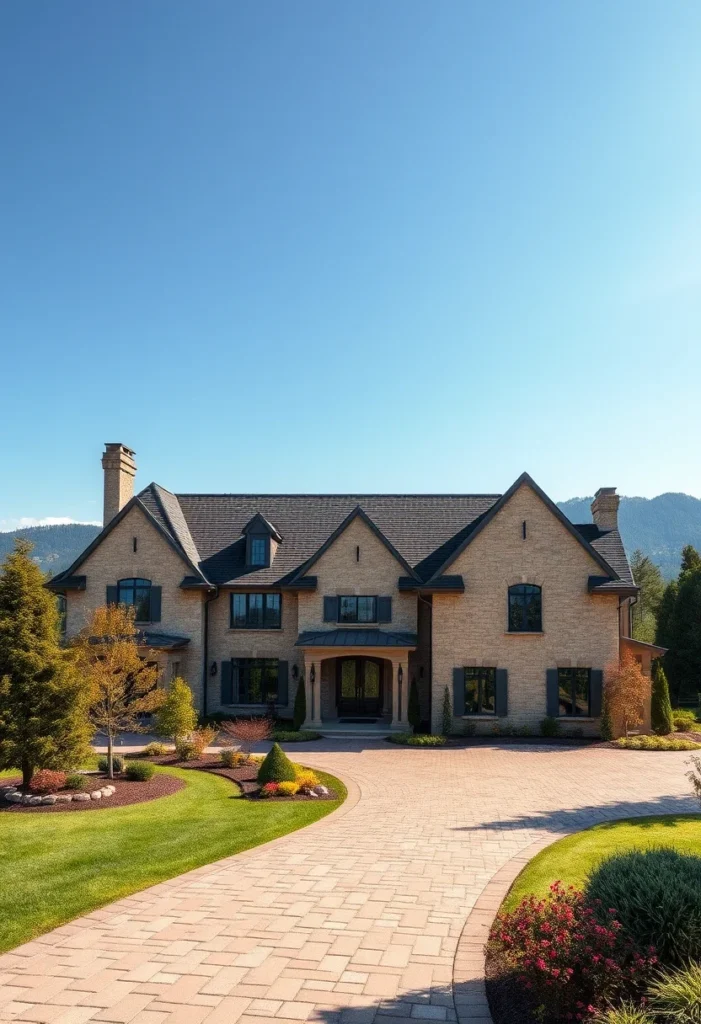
[359,685]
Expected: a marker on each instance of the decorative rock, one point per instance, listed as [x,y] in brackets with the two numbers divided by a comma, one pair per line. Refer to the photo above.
[96,795]
[81,797]
[34,801]
[107,790]
[26,798]
[14,798]
[321,791]
[48,799]
[9,790]
[64,798]
[312,793]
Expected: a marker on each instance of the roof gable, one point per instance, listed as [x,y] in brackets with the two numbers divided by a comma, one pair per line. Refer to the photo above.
[524,480]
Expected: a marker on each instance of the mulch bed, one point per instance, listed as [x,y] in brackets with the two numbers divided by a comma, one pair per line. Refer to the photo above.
[125,793]
[244,777]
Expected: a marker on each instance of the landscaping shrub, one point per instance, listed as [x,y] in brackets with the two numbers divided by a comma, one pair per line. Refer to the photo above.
[300,709]
[306,780]
[203,738]
[626,1013]
[408,739]
[247,731]
[564,958]
[155,750]
[75,781]
[657,896]
[177,716]
[270,789]
[606,721]
[288,788]
[276,767]
[103,764]
[685,720]
[661,716]
[231,758]
[656,743]
[676,996]
[45,781]
[140,771]
[446,714]
[549,727]
[186,750]
[284,736]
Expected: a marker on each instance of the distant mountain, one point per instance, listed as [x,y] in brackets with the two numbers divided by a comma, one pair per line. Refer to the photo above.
[659,526]
[55,547]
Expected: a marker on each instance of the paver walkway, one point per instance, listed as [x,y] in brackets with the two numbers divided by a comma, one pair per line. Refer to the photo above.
[353,918]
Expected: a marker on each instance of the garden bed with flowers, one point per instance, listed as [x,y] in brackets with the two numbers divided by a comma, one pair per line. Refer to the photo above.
[86,790]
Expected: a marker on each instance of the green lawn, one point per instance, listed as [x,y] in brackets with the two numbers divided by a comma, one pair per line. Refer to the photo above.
[54,867]
[570,860]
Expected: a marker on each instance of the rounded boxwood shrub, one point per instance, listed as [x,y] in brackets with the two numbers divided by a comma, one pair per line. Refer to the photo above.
[657,897]
[75,781]
[103,764]
[276,767]
[140,771]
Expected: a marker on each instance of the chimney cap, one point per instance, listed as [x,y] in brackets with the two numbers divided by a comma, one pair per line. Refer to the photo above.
[112,446]
[605,490]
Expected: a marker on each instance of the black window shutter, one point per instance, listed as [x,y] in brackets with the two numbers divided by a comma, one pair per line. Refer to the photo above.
[384,609]
[235,680]
[155,604]
[458,692]
[282,682]
[596,688]
[227,690]
[330,609]
[553,693]
[112,595]
[502,692]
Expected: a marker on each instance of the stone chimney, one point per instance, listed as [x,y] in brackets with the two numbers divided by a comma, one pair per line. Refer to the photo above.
[604,508]
[120,470]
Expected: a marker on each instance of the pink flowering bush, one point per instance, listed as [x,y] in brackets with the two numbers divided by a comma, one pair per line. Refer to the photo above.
[270,789]
[569,964]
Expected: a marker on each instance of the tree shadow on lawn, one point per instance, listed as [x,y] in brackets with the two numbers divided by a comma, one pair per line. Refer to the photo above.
[575,819]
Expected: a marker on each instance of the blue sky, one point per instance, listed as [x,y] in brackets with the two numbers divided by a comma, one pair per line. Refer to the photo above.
[394,246]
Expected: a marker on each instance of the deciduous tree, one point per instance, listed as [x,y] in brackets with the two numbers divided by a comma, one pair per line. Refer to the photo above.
[43,700]
[626,690]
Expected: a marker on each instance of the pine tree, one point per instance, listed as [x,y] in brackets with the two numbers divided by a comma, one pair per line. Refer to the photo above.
[661,708]
[648,577]
[177,716]
[276,767]
[299,714]
[414,709]
[43,700]
[679,627]
[447,718]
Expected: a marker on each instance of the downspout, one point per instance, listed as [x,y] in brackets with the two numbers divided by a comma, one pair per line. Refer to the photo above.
[211,596]
[429,605]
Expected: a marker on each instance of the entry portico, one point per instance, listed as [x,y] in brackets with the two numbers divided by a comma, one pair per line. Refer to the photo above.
[357,675]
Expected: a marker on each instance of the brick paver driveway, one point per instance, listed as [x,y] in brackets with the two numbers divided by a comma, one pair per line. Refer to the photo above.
[356,916]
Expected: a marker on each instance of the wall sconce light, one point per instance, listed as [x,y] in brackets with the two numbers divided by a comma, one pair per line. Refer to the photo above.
[213,669]
[295,672]
[400,678]
[312,674]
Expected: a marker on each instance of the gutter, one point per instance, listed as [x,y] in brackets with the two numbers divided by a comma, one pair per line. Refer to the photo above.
[429,605]
[205,656]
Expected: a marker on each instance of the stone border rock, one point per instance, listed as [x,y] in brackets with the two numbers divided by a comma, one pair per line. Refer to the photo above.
[469,987]
[13,795]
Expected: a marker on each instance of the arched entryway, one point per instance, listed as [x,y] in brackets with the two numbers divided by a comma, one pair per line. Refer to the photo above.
[359,687]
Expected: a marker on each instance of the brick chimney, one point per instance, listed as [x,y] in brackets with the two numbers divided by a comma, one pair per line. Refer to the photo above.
[120,470]
[604,508]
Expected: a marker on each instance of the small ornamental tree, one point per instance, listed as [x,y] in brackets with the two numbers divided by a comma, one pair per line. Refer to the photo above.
[43,700]
[447,717]
[661,710]
[627,687]
[123,681]
[276,767]
[299,714]
[414,709]
[248,731]
[177,717]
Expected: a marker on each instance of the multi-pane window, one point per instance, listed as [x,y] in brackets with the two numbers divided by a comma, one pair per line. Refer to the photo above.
[357,609]
[257,680]
[525,609]
[259,551]
[574,691]
[480,691]
[136,592]
[255,611]
[62,607]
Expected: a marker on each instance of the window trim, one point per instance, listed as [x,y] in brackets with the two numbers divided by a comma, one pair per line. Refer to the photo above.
[569,668]
[356,621]
[480,713]
[143,585]
[532,632]
[265,594]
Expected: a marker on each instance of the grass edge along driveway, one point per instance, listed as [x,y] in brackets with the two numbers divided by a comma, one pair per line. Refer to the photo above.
[55,867]
[570,860]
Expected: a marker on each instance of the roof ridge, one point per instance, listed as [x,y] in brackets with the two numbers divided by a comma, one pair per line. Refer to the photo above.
[323,494]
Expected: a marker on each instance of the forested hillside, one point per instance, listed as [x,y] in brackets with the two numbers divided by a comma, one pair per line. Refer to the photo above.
[55,547]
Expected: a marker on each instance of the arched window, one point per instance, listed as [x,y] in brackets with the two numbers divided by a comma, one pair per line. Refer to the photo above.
[525,609]
[136,592]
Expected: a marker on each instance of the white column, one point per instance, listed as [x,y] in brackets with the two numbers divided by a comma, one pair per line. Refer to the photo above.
[400,694]
[313,683]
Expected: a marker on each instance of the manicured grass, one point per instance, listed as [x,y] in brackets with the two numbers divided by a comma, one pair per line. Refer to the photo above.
[570,860]
[56,866]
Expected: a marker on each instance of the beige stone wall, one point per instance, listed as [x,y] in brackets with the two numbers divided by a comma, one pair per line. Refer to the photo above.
[154,559]
[225,643]
[471,629]
[339,572]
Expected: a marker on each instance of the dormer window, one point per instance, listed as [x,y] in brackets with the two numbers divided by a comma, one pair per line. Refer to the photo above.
[259,551]
[262,541]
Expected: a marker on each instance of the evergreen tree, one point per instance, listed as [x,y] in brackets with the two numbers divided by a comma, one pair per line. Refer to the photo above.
[661,710]
[447,715]
[606,722]
[414,709]
[299,714]
[644,613]
[691,560]
[177,717]
[276,767]
[43,700]
[679,628]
